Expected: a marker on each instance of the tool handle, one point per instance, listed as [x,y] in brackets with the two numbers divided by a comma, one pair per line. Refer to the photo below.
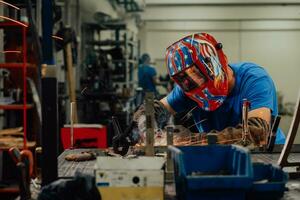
[25,193]
[116,126]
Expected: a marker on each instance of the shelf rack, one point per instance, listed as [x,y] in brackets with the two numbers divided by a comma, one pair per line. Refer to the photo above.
[23,65]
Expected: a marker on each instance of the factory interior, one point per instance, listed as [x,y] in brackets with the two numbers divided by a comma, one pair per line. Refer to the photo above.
[149,99]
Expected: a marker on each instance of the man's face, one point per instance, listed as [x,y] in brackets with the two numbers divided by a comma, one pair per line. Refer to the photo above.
[190,78]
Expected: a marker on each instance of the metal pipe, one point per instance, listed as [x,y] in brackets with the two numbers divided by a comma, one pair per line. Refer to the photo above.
[72,124]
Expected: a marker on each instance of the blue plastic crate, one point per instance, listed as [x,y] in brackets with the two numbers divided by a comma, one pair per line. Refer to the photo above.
[268,182]
[212,172]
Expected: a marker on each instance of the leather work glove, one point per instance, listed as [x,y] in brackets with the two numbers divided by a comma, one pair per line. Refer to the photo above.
[258,131]
[161,115]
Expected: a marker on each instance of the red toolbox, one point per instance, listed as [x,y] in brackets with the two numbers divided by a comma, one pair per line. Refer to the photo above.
[85,136]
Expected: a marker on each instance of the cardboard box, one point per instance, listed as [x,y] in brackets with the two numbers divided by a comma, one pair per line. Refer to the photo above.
[139,178]
[85,136]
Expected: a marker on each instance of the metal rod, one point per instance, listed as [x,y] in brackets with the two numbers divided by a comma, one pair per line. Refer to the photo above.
[245,127]
[72,124]
[170,132]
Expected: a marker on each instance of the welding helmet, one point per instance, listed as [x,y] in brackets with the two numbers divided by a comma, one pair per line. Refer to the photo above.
[199,66]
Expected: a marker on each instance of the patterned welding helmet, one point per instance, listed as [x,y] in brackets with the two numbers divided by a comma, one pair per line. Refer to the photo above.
[199,66]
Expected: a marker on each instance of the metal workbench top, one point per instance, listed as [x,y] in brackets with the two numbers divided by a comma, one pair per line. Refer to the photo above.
[67,169]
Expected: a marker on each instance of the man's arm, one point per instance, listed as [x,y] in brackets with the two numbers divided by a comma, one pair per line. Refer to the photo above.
[165,103]
[259,121]
[263,113]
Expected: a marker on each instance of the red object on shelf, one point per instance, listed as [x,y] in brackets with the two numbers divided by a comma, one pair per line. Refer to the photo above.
[85,136]
[15,107]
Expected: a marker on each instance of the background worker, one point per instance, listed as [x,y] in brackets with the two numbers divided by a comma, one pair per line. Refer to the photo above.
[147,75]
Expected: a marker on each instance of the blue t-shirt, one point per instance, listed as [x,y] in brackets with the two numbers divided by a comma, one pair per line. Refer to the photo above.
[251,82]
[145,78]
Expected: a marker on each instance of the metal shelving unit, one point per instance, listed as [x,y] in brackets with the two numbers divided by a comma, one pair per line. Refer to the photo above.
[21,66]
[124,39]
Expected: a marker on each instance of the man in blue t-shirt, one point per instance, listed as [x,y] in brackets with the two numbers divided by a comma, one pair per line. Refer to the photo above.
[213,90]
[147,75]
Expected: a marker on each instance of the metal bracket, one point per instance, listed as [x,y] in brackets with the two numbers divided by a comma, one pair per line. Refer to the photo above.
[149,111]
[272,134]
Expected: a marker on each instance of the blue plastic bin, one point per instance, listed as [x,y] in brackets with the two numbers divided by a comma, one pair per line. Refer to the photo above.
[222,172]
[268,182]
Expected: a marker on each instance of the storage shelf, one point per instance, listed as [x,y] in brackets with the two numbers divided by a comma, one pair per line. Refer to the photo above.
[11,189]
[16,65]
[111,43]
[6,146]
[15,107]
[106,43]
[133,43]
[124,60]
[106,26]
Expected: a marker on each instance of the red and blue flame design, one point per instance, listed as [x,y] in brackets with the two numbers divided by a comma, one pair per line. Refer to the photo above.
[204,52]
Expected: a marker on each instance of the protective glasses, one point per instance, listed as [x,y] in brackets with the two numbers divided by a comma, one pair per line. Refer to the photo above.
[190,78]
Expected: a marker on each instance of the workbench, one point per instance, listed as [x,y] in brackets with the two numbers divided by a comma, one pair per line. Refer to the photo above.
[67,169]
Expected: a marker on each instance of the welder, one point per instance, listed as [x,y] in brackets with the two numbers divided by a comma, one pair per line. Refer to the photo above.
[213,89]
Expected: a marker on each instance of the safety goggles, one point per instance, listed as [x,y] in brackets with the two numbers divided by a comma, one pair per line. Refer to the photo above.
[190,78]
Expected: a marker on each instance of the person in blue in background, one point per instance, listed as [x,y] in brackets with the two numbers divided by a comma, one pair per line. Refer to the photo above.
[147,76]
[213,90]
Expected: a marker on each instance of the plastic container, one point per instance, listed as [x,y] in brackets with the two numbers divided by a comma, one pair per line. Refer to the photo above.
[268,182]
[85,136]
[212,172]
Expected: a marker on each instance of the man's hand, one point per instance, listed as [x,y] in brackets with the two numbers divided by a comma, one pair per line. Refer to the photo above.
[160,113]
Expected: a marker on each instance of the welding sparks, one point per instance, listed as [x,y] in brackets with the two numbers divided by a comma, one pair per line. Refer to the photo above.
[188,114]
[199,122]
